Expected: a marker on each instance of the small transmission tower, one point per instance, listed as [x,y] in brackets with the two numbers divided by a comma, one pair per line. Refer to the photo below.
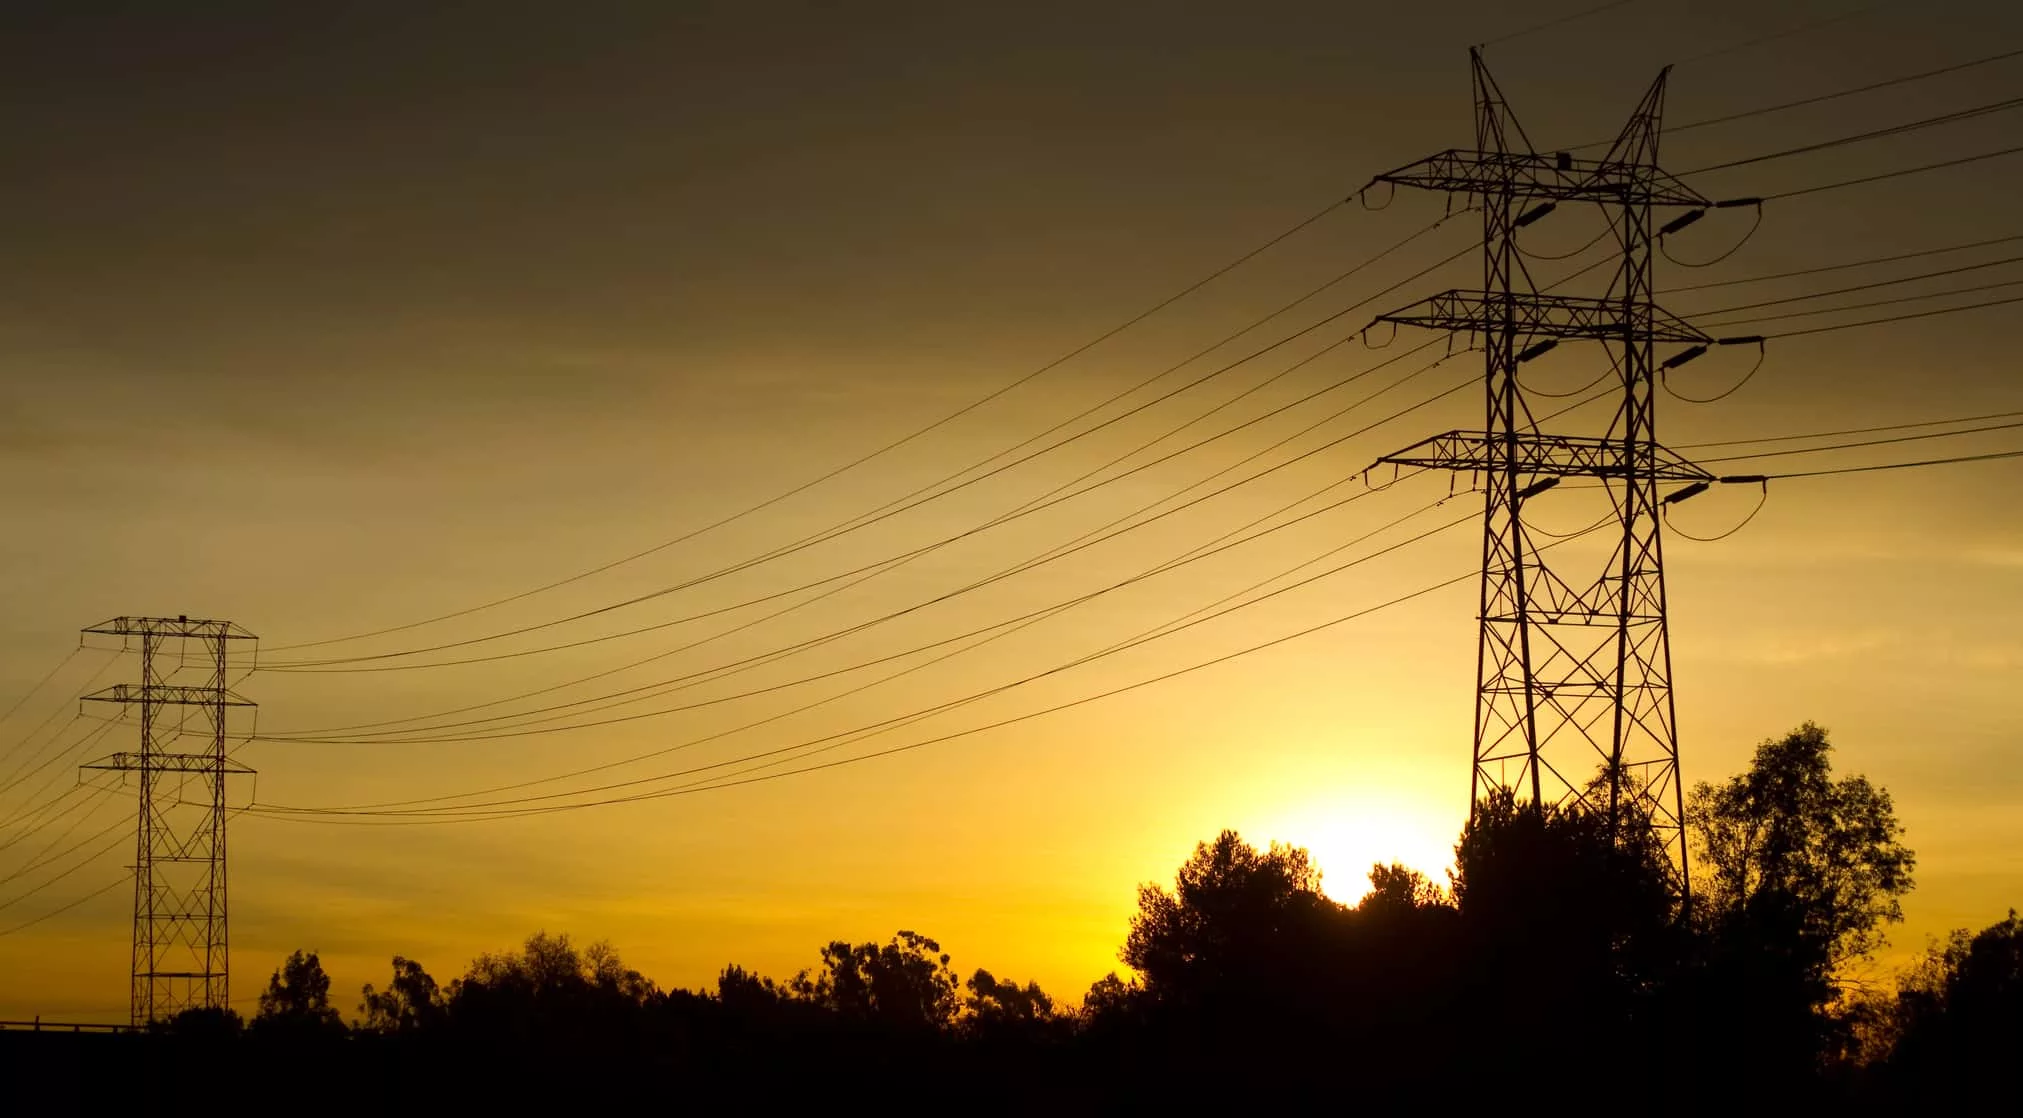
[181,947]
[1574,669]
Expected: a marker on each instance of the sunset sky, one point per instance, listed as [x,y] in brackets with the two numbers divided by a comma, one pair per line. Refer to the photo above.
[332,323]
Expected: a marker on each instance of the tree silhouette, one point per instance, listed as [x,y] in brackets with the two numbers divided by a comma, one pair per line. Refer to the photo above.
[1398,889]
[1825,855]
[1238,929]
[1957,1023]
[297,998]
[906,984]
[1558,947]
[1006,1010]
[1567,935]
[1799,874]
[207,1023]
[1111,1002]
[410,1001]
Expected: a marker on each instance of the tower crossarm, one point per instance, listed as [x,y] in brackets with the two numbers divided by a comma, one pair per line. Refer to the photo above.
[1560,317]
[171,627]
[168,763]
[1557,177]
[168,694]
[1544,456]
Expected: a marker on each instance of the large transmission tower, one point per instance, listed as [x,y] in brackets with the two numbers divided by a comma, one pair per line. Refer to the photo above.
[181,944]
[1574,672]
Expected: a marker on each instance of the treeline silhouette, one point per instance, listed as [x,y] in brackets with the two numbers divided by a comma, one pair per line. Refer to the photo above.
[1555,967]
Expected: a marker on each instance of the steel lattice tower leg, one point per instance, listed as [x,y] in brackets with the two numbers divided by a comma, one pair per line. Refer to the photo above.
[1573,685]
[181,937]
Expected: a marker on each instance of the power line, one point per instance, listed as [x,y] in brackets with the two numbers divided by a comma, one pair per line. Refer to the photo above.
[37,828]
[891,561]
[9,781]
[720,672]
[299,735]
[1010,386]
[723,670]
[1029,620]
[1871,285]
[1556,21]
[88,859]
[1874,134]
[1843,267]
[1762,499]
[1851,431]
[40,684]
[1821,98]
[1896,318]
[834,532]
[1892,301]
[712,784]
[1992,457]
[466,811]
[1771,37]
[1865,443]
[93,895]
[1962,161]
[915,500]
[70,751]
[1836,95]
[43,857]
[1087,539]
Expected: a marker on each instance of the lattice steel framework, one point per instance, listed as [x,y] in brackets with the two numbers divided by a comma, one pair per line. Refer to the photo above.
[181,940]
[1574,672]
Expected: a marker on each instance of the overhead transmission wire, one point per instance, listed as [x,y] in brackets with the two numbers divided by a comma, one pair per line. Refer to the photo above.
[1889,319]
[722,671]
[806,769]
[934,710]
[522,714]
[1556,21]
[736,777]
[712,784]
[1027,509]
[1942,273]
[1075,544]
[470,809]
[80,864]
[1873,260]
[1958,115]
[12,778]
[67,753]
[1102,533]
[1026,621]
[43,856]
[1047,556]
[1864,305]
[32,691]
[1785,33]
[865,459]
[849,526]
[1762,499]
[1851,430]
[1887,175]
[1673,129]
[876,569]
[1877,467]
[1922,437]
[923,495]
[1670,129]
[55,912]
[32,823]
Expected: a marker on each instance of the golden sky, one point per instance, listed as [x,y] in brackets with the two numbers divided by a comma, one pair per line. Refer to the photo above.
[330,324]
